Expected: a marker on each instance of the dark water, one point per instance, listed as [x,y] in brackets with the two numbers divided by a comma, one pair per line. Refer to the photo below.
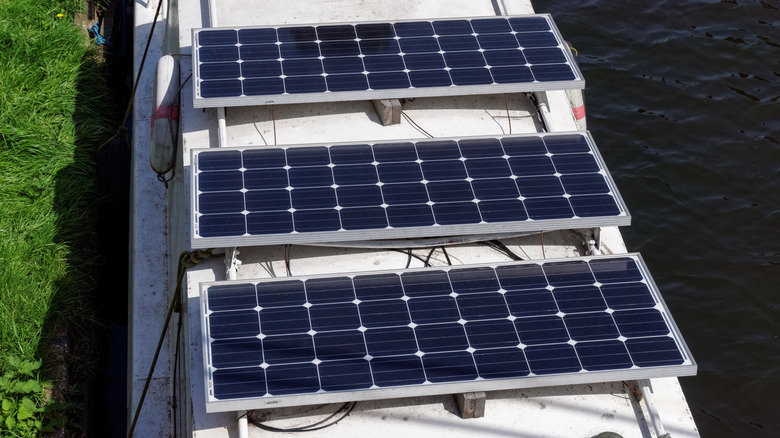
[682,99]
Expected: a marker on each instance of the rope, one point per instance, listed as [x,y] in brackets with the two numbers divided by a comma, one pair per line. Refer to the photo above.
[174,402]
[175,137]
[122,130]
[99,39]
[187,260]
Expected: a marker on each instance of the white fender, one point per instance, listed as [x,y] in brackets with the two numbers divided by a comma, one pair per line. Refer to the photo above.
[165,115]
[577,101]
[578,108]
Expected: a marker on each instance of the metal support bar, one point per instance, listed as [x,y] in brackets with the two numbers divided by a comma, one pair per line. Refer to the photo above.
[544,110]
[471,404]
[594,244]
[222,124]
[243,424]
[232,263]
[221,128]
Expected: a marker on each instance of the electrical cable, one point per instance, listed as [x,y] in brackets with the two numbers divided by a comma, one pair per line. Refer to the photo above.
[286,249]
[289,259]
[508,119]
[496,247]
[527,257]
[273,119]
[500,247]
[344,410]
[428,259]
[409,252]
[446,256]
[507,251]
[413,123]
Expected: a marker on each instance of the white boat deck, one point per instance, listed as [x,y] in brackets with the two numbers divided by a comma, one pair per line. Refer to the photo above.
[159,234]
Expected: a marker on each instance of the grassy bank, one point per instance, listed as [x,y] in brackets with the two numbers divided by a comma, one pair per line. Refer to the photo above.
[52,118]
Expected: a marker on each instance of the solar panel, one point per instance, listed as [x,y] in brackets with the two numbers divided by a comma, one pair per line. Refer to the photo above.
[379,60]
[403,189]
[373,335]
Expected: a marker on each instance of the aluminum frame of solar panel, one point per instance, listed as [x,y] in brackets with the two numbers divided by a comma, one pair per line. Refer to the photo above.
[554,322]
[345,67]
[501,207]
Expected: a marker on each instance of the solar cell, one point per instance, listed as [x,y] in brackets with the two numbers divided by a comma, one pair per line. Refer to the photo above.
[369,335]
[418,188]
[357,61]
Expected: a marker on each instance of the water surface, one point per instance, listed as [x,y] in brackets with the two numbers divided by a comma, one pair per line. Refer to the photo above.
[682,99]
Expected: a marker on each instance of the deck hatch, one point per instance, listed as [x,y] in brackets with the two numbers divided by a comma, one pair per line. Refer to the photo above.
[403,189]
[378,60]
[374,335]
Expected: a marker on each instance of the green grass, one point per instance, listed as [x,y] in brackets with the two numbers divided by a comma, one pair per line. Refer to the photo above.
[51,122]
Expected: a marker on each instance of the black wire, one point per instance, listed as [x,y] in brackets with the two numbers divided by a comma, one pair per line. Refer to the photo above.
[287,250]
[490,244]
[447,256]
[507,251]
[413,123]
[495,247]
[409,259]
[428,259]
[346,408]
[500,247]
[409,253]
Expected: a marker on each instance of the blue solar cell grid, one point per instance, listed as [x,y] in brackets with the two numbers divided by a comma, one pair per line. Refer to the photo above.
[416,188]
[356,61]
[306,340]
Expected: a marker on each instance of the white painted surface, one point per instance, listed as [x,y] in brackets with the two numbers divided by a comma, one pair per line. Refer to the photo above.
[569,411]
[148,295]
[356,121]
[576,411]
[239,13]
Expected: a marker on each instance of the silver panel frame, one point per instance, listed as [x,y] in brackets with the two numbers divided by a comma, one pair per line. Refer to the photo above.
[526,226]
[688,368]
[578,83]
